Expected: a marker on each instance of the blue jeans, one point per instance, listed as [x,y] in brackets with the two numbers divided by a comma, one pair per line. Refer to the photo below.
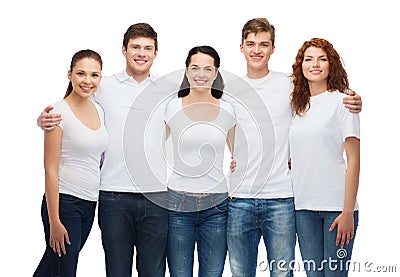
[248,220]
[207,228]
[77,216]
[321,256]
[129,220]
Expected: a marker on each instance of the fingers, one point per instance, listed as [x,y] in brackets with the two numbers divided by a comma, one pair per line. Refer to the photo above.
[353,103]
[48,109]
[59,246]
[56,246]
[48,121]
[233,166]
[335,222]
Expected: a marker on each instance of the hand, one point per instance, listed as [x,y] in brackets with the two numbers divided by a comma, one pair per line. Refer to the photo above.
[345,231]
[58,237]
[233,165]
[48,121]
[353,102]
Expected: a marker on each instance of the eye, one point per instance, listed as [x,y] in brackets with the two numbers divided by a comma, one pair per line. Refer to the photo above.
[264,45]
[249,44]
[95,75]
[149,49]
[208,69]
[80,74]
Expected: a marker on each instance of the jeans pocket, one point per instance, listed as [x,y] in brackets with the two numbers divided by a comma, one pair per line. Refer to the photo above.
[68,199]
[222,207]
[109,196]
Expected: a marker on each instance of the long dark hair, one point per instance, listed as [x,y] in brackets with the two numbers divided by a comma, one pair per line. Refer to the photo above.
[82,54]
[218,84]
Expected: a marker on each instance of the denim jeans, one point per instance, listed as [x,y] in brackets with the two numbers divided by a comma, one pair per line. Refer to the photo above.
[77,216]
[248,220]
[206,227]
[321,256]
[129,220]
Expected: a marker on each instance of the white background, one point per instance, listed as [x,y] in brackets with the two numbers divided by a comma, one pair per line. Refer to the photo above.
[38,39]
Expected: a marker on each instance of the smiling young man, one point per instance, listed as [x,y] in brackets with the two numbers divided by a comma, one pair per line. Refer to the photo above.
[127,219]
[263,206]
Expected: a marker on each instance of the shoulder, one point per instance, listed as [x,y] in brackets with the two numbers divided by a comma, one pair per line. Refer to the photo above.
[173,106]
[226,106]
[280,75]
[59,107]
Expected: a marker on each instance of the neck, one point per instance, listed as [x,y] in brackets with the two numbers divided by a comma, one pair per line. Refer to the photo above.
[253,73]
[77,101]
[317,88]
[200,95]
[138,77]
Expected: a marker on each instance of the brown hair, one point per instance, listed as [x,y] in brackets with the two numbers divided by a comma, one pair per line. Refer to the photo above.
[337,78]
[257,25]
[82,54]
[140,30]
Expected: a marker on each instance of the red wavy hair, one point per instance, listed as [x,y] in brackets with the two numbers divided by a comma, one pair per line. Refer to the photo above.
[337,78]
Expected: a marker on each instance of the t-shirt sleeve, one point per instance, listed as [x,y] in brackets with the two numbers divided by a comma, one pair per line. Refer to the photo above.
[231,112]
[170,109]
[58,110]
[349,123]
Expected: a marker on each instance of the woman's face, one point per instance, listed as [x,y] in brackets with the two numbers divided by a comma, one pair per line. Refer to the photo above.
[85,77]
[315,65]
[201,71]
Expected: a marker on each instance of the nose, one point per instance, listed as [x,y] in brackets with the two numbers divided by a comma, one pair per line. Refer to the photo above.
[87,79]
[202,71]
[315,63]
[256,48]
[142,51]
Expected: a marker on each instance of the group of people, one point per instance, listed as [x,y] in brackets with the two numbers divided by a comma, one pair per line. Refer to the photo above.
[308,189]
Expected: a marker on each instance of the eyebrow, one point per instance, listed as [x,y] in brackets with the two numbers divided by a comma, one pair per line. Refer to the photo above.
[310,56]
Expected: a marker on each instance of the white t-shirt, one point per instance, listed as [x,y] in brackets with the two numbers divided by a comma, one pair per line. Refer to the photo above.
[117,95]
[261,142]
[198,149]
[317,147]
[81,149]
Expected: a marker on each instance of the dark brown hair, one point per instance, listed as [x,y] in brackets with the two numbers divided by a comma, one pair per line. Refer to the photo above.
[82,54]
[257,25]
[218,84]
[140,30]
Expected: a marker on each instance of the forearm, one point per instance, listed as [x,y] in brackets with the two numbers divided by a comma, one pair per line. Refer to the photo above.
[352,182]
[52,196]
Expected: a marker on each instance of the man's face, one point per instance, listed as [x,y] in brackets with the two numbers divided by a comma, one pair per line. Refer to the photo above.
[257,49]
[139,55]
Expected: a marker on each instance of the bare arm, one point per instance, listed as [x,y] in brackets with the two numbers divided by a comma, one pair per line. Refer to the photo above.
[353,102]
[47,121]
[52,147]
[230,141]
[345,221]
[167,131]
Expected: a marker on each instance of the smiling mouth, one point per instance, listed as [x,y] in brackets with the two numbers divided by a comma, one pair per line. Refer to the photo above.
[201,82]
[86,89]
[140,62]
[256,57]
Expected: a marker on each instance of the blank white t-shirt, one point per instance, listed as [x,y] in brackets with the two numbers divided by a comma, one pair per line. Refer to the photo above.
[198,149]
[262,165]
[316,148]
[81,149]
